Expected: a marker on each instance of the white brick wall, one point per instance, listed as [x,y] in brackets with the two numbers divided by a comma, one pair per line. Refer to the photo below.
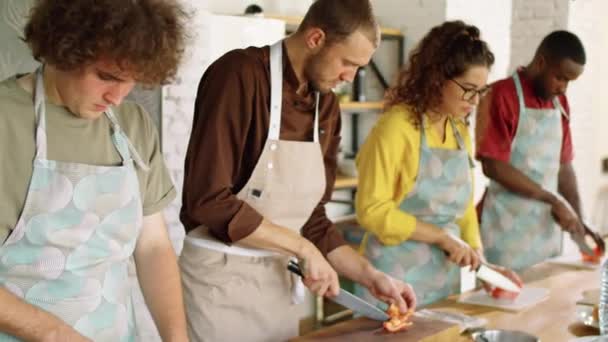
[531,21]
[588,118]
[284,7]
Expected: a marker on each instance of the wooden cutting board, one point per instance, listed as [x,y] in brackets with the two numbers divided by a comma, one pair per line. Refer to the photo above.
[366,330]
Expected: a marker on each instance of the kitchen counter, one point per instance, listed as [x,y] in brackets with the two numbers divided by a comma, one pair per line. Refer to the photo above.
[552,320]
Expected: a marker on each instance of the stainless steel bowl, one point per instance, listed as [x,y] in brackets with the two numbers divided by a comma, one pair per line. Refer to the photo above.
[503,336]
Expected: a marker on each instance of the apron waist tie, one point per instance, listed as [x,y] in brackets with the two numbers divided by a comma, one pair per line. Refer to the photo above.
[298,290]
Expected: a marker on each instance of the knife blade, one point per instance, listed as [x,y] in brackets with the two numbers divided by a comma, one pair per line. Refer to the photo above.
[348,300]
[496,278]
[597,238]
[579,239]
[358,305]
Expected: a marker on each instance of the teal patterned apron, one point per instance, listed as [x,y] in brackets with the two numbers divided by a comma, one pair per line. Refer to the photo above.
[69,251]
[518,232]
[440,196]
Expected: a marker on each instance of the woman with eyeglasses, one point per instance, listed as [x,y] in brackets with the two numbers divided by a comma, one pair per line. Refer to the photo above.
[415,195]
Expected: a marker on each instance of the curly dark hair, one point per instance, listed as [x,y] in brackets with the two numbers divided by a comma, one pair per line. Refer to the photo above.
[146,37]
[446,52]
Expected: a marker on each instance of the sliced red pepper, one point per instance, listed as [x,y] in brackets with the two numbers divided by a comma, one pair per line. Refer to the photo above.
[595,258]
[397,321]
[396,326]
[499,293]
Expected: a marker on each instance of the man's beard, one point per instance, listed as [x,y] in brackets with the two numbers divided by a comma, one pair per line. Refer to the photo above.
[310,72]
[539,89]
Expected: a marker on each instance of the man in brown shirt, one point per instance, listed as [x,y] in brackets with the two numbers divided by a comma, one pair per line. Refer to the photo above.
[256,177]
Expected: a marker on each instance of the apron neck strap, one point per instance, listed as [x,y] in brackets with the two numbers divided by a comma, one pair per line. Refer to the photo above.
[558,105]
[316,125]
[123,144]
[520,92]
[40,114]
[276,94]
[460,141]
[457,135]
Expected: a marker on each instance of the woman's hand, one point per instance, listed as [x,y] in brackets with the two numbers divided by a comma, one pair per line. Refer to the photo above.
[458,251]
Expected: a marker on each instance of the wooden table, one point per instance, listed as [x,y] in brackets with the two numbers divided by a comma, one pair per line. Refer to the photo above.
[553,320]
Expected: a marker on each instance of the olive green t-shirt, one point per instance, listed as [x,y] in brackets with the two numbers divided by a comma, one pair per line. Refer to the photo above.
[72,139]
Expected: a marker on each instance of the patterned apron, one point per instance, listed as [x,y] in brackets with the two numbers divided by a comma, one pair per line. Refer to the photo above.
[440,196]
[518,232]
[69,251]
[236,293]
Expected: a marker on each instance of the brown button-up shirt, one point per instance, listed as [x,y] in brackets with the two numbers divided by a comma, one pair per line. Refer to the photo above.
[230,127]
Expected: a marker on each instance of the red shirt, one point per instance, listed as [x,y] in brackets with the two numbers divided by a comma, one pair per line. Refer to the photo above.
[498,117]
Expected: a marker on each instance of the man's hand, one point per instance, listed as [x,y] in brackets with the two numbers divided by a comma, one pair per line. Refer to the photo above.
[565,216]
[319,277]
[391,290]
[597,238]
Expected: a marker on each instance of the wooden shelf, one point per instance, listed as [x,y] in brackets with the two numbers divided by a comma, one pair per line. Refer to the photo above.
[294,21]
[361,106]
[345,182]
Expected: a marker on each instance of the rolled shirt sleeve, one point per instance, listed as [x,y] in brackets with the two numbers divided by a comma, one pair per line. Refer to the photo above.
[222,116]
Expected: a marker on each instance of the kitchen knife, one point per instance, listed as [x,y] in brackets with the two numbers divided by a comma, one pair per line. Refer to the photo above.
[496,278]
[594,233]
[348,300]
[579,239]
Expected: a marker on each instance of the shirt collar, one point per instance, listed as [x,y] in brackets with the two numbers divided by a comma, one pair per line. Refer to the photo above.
[289,74]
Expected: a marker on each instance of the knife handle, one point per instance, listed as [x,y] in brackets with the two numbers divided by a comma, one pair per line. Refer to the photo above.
[295,268]
[595,235]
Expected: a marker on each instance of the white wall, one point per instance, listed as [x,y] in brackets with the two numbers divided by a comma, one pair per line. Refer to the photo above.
[532,20]
[493,18]
[588,118]
[284,7]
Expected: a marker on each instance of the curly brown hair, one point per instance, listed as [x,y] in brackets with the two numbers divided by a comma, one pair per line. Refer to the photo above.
[446,52]
[146,37]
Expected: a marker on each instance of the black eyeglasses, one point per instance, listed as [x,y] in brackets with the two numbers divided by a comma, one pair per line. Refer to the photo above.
[469,93]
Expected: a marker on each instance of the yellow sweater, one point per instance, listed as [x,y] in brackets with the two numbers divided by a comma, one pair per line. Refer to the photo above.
[388,164]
